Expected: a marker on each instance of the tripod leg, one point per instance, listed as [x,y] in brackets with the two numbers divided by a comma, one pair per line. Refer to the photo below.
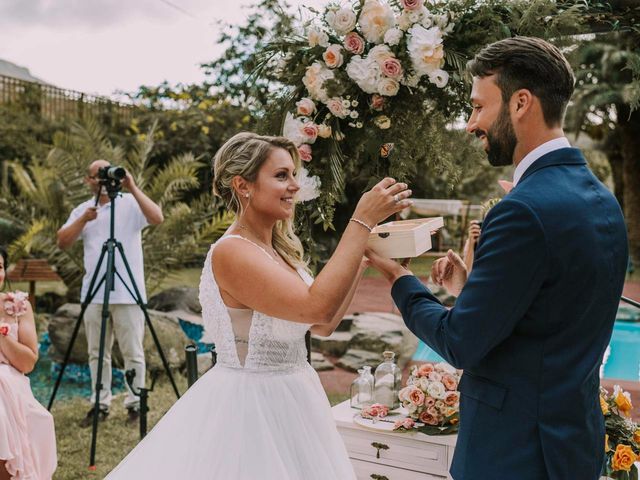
[90,294]
[142,305]
[109,275]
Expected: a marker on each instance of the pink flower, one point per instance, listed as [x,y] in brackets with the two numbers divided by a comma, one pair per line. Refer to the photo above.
[412,4]
[333,57]
[452,398]
[5,328]
[375,410]
[305,152]
[354,43]
[449,382]
[377,103]
[416,396]
[305,107]
[428,418]
[407,423]
[435,377]
[392,68]
[429,402]
[336,107]
[15,304]
[310,131]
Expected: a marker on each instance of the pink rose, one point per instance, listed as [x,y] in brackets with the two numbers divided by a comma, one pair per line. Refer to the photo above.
[377,103]
[310,130]
[428,418]
[15,304]
[337,108]
[435,377]
[429,402]
[354,43]
[305,152]
[306,107]
[449,382]
[375,410]
[407,423]
[392,68]
[452,398]
[412,4]
[332,56]
[416,396]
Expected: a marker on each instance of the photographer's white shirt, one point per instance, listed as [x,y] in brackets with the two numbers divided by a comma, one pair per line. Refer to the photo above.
[129,222]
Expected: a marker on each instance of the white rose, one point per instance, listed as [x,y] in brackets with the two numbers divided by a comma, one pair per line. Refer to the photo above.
[317,37]
[415,16]
[380,53]
[425,49]
[382,122]
[365,72]
[388,87]
[375,19]
[314,78]
[344,21]
[403,21]
[309,186]
[412,408]
[436,390]
[423,383]
[292,130]
[446,368]
[439,78]
[411,81]
[427,21]
[324,131]
[333,56]
[393,36]
[305,107]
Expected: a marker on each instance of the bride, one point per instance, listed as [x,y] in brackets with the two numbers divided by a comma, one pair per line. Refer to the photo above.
[261,412]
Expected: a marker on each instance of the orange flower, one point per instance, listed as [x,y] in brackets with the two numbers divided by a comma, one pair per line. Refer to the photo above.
[636,437]
[623,458]
[603,405]
[607,448]
[623,403]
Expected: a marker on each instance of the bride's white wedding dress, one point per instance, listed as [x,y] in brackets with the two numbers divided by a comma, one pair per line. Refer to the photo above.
[260,413]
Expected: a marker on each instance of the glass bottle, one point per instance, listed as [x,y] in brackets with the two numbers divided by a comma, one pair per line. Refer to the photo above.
[369,375]
[388,378]
[362,389]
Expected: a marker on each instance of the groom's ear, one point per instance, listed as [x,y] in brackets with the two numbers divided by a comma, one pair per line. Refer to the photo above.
[521,103]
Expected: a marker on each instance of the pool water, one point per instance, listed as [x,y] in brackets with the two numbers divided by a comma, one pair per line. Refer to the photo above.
[622,361]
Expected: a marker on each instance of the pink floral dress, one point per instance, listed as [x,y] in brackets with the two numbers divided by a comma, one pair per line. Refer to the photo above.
[27,435]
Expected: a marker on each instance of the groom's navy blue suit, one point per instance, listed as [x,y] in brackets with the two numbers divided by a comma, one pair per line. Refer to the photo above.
[531,326]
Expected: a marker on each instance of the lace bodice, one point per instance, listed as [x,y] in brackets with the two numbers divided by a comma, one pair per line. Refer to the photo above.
[273,343]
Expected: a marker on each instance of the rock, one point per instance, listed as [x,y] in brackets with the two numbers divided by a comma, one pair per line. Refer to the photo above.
[335,345]
[377,332]
[319,363]
[356,358]
[628,314]
[180,302]
[170,335]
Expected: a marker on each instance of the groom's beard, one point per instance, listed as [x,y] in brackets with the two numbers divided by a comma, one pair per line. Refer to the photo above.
[501,140]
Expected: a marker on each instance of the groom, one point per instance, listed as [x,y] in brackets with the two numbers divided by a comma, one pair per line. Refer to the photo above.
[532,321]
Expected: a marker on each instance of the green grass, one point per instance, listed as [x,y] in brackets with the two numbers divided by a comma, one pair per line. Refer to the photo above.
[115,439]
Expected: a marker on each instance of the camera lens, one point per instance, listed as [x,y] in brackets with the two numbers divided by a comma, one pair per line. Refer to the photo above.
[117,173]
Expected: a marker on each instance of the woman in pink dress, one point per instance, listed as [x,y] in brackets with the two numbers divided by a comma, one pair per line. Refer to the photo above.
[27,436]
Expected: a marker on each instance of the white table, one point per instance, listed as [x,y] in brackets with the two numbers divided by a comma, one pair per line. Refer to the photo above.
[409,456]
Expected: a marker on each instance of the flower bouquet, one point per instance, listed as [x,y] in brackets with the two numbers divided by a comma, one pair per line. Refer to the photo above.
[622,436]
[364,77]
[431,399]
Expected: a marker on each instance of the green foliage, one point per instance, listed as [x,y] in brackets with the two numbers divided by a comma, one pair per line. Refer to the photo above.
[43,194]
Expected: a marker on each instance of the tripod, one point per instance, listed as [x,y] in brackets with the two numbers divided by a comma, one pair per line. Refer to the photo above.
[109,249]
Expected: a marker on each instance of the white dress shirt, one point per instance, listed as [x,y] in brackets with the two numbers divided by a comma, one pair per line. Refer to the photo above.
[536,153]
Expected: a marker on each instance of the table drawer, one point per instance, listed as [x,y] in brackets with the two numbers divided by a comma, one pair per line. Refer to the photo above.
[374,471]
[406,453]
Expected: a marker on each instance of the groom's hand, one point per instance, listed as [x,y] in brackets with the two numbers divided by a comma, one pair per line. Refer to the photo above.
[389,268]
[450,272]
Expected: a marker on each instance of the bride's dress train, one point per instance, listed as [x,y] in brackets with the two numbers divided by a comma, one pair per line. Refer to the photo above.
[265,417]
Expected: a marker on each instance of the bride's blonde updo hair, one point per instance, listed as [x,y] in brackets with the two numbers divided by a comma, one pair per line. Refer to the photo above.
[243,155]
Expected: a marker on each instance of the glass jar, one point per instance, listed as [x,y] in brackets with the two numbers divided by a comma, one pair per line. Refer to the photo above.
[369,375]
[362,389]
[387,381]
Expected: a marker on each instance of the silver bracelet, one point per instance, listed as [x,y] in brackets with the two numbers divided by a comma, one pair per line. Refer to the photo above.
[360,222]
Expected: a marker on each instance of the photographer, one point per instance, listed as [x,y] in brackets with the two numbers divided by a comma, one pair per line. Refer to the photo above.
[90,221]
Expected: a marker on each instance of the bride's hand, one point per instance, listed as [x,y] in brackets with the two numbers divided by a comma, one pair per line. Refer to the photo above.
[384,199]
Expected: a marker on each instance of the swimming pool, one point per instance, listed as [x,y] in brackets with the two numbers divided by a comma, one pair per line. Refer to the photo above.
[622,363]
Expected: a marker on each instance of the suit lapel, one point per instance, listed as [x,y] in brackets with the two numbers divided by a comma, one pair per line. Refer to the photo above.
[562,156]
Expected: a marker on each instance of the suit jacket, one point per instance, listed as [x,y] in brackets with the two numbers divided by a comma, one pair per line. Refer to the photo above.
[531,326]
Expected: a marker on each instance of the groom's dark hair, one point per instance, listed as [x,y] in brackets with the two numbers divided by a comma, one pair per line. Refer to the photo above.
[531,63]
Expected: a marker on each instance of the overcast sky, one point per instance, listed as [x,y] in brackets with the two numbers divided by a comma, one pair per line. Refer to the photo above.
[101,46]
